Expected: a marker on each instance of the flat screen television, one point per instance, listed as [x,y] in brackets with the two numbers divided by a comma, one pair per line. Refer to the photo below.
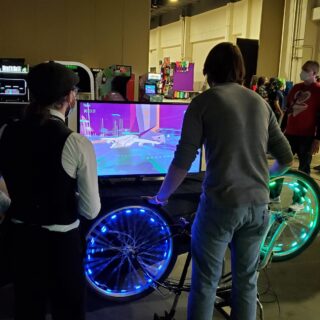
[133,138]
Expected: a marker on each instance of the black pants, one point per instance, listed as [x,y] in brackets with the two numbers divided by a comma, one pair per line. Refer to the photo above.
[48,268]
[302,147]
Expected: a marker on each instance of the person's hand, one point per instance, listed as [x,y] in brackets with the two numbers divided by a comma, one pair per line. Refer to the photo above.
[154,200]
[278,169]
[315,146]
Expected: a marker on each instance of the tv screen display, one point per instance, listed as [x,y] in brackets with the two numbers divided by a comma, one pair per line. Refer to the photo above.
[150,88]
[133,138]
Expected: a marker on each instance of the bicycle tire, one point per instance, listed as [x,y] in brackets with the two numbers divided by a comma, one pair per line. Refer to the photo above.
[301,226]
[129,249]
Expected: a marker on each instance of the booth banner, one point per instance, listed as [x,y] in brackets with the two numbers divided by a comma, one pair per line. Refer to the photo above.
[183,81]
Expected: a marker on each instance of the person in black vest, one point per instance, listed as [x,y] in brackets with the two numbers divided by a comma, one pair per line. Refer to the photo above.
[50,173]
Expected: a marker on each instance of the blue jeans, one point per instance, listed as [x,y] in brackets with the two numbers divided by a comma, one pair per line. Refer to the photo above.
[213,229]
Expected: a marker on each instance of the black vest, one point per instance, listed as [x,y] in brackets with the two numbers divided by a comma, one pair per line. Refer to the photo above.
[41,192]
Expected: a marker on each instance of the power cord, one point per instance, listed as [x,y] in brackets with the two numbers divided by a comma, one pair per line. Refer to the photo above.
[268,295]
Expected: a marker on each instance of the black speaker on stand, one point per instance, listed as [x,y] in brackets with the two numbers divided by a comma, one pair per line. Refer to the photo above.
[249,49]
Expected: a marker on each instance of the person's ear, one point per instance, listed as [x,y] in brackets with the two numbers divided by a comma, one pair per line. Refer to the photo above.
[71,98]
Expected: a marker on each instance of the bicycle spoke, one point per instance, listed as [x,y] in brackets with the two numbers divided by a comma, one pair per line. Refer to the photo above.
[122,246]
[302,225]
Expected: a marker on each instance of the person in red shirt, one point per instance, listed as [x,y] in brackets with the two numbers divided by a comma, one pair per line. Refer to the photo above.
[303,122]
[302,128]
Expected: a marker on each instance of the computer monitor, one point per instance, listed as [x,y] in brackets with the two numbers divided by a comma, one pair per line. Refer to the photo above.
[132,138]
[150,88]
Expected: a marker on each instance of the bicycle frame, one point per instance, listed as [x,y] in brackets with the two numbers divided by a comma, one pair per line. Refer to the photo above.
[133,242]
[266,254]
[277,224]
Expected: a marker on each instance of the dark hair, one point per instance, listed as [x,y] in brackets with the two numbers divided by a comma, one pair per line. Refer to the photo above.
[224,63]
[261,81]
[40,111]
[119,84]
[49,83]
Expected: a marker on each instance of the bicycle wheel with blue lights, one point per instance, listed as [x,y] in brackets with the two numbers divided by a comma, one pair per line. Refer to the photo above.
[295,200]
[128,250]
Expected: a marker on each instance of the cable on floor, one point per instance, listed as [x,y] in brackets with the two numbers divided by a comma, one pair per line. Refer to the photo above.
[269,291]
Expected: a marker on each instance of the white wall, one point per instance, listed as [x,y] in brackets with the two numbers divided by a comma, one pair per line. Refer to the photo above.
[193,37]
[301,38]
[200,50]
[208,25]
[171,35]
[173,52]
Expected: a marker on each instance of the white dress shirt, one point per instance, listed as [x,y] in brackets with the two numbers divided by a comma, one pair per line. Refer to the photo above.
[79,162]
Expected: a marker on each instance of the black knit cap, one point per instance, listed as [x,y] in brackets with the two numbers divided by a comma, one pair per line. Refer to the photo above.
[49,82]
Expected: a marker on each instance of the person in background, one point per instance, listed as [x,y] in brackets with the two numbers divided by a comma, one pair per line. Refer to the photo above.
[275,98]
[44,164]
[237,127]
[261,87]
[118,89]
[254,82]
[302,126]
[284,92]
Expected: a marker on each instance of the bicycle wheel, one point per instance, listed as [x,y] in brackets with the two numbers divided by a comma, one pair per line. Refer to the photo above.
[129,249]
[302,224]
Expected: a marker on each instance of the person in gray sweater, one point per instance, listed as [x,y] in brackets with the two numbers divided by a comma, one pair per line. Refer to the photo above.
[237,128]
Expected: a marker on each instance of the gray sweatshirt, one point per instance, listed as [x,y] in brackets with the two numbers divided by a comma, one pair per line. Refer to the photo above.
[237,128]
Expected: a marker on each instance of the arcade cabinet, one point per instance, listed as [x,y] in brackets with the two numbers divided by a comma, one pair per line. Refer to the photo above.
[149,88]
[13,100]
[86,83]
[115,83]
[13,84]
[14,94]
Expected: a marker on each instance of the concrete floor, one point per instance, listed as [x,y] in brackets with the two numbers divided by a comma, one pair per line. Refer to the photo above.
[290,290]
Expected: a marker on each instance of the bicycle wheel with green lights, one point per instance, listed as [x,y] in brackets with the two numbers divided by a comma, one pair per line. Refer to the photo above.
[294,200]
[129,249]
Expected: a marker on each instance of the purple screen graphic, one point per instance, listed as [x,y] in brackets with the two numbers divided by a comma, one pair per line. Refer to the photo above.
[133,138]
